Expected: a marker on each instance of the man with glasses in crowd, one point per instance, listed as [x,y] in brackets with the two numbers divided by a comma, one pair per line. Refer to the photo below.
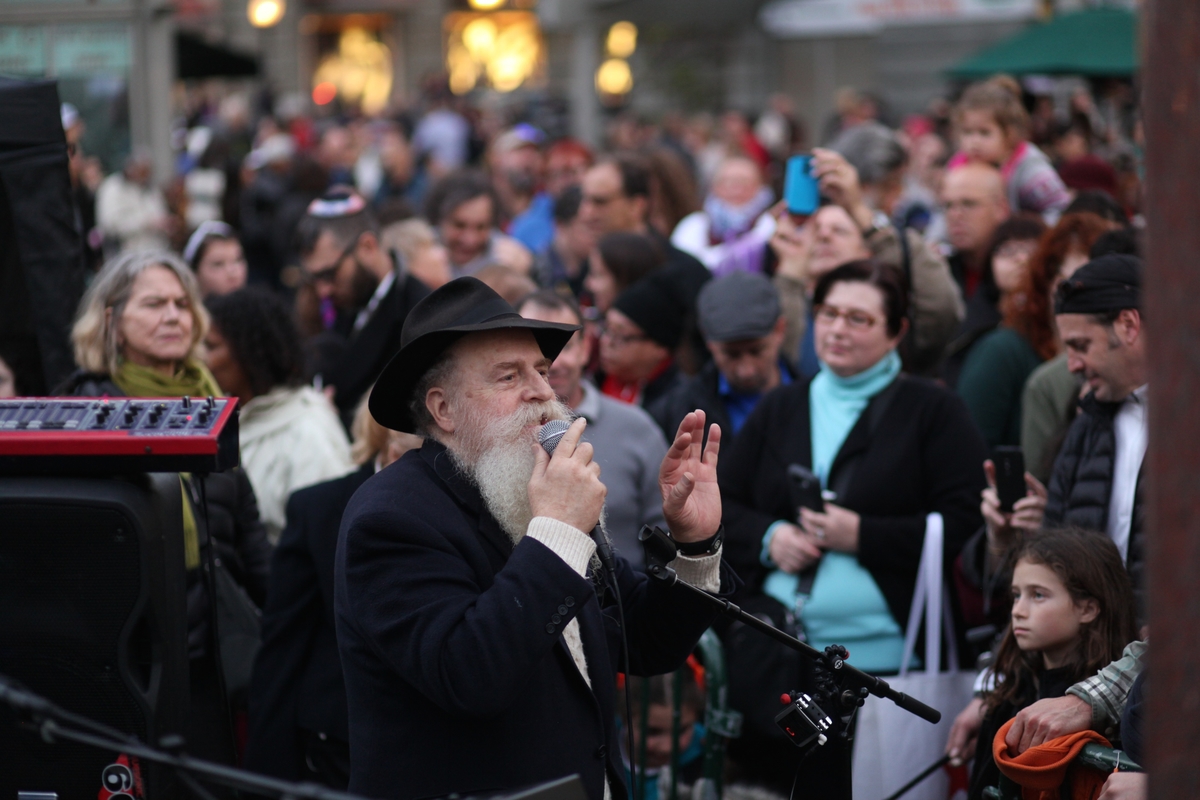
[364,292]
[616,198]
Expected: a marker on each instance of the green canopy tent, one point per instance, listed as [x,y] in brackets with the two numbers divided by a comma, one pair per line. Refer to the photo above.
[1098,42]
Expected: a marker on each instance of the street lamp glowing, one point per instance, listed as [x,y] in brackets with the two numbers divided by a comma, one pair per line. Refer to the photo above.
[502,50]
[622,40]
[614,77]
[265,13]
[486,5]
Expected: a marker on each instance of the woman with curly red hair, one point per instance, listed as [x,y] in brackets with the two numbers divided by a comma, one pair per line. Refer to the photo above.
[1026,271]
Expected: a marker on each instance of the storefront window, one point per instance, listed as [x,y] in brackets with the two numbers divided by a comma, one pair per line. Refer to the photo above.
[91,63]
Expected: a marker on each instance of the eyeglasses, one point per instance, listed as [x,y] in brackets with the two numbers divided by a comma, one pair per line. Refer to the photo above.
[599,199]
[329,274]
[855,320]
[621,339]
[966,204]
[1016,248]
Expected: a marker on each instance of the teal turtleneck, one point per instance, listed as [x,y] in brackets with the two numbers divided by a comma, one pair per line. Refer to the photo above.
[845,606]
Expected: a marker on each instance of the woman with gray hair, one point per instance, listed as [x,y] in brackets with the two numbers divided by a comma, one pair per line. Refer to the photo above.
[137,333]
[138,329]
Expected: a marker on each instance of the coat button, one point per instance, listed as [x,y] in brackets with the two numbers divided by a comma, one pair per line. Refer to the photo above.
[569,602]
[601,752]
[555,618]
[550,627]
[562,610]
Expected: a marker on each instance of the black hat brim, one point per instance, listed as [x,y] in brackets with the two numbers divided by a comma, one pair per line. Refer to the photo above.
[390,399]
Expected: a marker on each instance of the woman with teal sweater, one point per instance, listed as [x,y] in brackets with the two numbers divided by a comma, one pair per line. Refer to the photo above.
[893,449]
[996,368]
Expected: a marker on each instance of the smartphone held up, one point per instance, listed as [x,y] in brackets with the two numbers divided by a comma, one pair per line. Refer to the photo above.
[801,192]
[1010,476]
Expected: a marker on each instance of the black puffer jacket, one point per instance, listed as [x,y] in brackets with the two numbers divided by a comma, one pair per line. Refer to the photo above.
[238,536]
[1081,486]
[1078,496]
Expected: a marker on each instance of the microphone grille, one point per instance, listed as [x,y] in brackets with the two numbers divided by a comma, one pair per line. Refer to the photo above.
[550,434]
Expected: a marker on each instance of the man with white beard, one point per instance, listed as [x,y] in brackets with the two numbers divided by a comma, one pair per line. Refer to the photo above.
[479,641]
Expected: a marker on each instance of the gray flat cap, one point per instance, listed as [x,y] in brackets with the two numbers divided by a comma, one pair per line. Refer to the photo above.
[741,305]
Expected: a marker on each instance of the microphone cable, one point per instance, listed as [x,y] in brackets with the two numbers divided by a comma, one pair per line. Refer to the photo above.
[635,787]
[548,437]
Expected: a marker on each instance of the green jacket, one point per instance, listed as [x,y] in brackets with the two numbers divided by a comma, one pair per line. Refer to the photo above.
[991,382]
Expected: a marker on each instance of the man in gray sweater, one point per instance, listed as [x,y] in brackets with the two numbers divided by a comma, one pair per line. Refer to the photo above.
[628,445]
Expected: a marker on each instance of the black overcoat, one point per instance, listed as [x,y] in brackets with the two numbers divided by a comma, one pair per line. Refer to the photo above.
[457,675]
[297,687]
[369,351]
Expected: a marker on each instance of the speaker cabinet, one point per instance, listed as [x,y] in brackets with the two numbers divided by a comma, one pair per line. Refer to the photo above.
[93,617]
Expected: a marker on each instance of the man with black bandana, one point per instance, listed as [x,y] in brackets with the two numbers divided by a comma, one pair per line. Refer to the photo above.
[1097,478]
[368,289]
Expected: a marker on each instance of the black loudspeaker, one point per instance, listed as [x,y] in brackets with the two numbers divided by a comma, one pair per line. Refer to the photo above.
[93,617]
[41,246]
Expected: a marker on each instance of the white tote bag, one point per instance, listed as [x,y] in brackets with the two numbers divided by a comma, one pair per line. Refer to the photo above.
[892,746]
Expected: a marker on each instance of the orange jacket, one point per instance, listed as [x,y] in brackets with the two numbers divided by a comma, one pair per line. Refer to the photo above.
[1041,771]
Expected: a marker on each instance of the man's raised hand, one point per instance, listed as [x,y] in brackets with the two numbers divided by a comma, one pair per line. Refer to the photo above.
[688,480]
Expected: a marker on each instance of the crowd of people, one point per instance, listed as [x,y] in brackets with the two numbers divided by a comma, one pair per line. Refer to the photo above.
[971,281]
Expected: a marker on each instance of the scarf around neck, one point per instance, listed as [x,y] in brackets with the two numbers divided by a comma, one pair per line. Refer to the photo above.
[192,380]
[727,221]
[836,403]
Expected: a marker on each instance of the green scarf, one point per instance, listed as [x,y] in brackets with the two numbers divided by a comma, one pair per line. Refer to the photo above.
[192,380]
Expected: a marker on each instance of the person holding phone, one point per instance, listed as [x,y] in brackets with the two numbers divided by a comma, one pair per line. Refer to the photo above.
[893,448]
[1096,483]
[810,243]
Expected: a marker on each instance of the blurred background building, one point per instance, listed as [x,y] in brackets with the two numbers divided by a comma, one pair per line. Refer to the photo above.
[132,67]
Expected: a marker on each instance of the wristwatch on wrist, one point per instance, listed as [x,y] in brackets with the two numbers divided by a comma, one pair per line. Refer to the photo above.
[705,547]
[879,221]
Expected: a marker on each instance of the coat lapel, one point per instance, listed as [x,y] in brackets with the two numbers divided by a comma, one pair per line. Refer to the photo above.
[365,351]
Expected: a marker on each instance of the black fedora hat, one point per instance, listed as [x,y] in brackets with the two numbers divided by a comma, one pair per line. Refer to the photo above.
[462,306]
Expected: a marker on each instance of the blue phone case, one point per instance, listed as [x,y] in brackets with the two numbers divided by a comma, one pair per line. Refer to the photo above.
[800,188]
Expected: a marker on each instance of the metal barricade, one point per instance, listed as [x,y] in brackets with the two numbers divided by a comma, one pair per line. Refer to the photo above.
[720,723]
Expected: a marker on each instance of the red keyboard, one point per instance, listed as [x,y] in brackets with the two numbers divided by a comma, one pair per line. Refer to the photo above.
[143,434]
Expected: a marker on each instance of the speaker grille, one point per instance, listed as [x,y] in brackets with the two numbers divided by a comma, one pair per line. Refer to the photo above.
[70,582]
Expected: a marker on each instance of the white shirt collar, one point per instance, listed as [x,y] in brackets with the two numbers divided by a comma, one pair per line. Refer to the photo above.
[381,291]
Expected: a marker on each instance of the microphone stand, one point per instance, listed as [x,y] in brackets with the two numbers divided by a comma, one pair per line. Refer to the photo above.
[52,723]
[846,686]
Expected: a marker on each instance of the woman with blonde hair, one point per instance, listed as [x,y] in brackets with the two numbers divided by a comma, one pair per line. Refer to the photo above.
[138,331]
[137,334]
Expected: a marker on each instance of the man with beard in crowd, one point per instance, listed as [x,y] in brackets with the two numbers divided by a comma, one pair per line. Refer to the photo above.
[480,652]
[360,281]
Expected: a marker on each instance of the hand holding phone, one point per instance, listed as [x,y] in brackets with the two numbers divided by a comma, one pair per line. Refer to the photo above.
[801,191]
[804,490]
[1010,476]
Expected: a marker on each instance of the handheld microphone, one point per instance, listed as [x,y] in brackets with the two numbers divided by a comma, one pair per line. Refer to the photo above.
[549,435]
